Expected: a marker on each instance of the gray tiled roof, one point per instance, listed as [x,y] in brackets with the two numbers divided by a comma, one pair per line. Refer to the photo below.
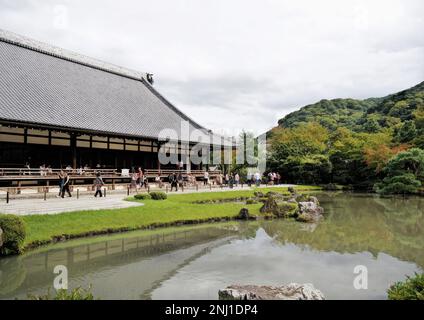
[40,84]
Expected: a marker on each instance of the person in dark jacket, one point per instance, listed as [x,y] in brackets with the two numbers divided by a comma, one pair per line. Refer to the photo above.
[173,181]
[65,185]
[98,184]
[180,179]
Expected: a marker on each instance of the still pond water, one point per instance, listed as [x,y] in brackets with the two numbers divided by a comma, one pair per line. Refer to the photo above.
[385,235]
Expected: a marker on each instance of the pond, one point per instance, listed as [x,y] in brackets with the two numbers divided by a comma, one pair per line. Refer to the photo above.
[384,235]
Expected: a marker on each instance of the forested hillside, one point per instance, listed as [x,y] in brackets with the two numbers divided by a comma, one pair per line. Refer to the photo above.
[374,143]
[360,115]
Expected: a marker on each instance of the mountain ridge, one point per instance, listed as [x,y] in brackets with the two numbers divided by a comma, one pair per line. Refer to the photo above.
[367,115]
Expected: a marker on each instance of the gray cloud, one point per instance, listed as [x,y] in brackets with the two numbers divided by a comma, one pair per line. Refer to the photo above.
[241,63]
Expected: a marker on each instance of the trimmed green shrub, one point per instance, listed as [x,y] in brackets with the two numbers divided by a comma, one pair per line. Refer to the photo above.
[411,289]
[158,195]
[13,234]
[142,196]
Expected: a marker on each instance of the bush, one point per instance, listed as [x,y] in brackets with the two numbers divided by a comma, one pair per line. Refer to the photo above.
[13,234]
[158,195]
[143,196]
[411,289]
[403,184]
[331,187]
[76,294]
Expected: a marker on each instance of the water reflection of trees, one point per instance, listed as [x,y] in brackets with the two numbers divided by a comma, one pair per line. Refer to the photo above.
[357,223]
[35,269]
[12,275]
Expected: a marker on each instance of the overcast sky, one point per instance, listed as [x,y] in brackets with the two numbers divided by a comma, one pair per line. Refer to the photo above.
[233,64]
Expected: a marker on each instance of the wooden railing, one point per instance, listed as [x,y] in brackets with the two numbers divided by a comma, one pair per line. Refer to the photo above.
[166,172]
[37,173]
[55,172]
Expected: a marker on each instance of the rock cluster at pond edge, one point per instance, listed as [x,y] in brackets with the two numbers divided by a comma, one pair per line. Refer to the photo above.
[292,291]
[302,207]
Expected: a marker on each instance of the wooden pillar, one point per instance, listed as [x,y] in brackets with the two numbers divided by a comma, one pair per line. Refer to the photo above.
[74,150]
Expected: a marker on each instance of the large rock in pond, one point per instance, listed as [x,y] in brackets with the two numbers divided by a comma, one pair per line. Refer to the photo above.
[292,291]
[310,207]
[279,208]
[310,211]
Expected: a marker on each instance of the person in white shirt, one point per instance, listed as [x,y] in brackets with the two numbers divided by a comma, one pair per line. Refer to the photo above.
[237,179]
[258,179]
[206,178]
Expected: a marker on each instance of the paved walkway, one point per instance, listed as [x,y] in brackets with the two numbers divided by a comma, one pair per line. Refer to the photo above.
[58,205]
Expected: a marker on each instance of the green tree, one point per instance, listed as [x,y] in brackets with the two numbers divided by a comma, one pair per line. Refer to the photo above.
[410,161]
[407,132]
[372,124]
[419,117]
[403,184]
[404,173]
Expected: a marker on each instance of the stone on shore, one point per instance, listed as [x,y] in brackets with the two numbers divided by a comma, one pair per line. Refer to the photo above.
[1,238]
[292,291]
[244,214]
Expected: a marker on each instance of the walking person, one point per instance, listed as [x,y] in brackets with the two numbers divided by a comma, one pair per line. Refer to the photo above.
[140,178]
[278,177]
[206,178]
[173,181]
[237,179]
[158,180]
[231,181]
[271,178]
[61,176]
[258,179]
[98,184]
[134,177]
[65,185]
[180,180]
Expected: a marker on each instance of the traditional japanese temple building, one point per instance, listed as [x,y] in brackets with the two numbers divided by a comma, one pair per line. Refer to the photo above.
[63,109]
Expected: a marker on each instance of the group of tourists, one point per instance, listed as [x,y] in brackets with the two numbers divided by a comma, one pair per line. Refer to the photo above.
[229,179]
[139,179]
[274,178]
[176,179]
[64,184]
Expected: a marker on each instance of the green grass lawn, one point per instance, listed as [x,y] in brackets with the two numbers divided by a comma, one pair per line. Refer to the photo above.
[177,208]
